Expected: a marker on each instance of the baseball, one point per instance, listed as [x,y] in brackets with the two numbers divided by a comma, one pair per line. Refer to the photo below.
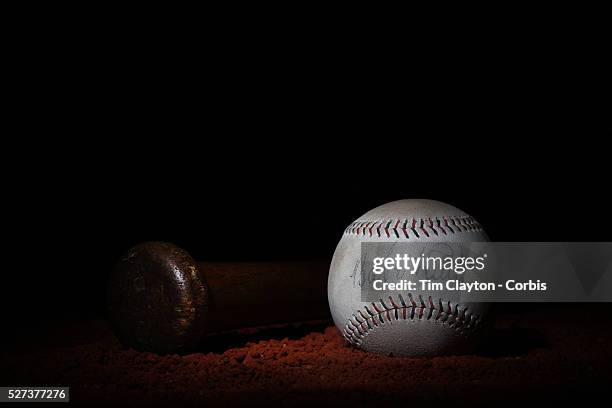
[415,323]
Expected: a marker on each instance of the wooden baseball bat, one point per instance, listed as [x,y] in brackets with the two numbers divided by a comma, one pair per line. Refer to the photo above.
[161,300]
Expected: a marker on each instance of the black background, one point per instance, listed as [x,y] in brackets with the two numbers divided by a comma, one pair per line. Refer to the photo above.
[275,200]
[260,154]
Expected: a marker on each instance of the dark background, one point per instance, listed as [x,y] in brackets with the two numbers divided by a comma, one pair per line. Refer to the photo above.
[226,132]
[287,199]
[259,149]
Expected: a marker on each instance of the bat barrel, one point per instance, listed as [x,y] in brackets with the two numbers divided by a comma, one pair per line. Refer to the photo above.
[160,299]
[248,294]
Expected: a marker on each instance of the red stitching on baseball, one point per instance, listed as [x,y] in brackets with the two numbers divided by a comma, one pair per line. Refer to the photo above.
[465,324]
[400,227]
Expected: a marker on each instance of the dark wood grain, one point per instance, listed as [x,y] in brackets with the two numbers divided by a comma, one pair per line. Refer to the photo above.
[256,294]
[161,300]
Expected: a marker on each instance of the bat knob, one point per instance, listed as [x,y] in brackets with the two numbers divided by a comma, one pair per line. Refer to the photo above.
[157,298]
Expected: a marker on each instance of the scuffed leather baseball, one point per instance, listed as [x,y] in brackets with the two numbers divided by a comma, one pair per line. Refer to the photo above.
[416,327]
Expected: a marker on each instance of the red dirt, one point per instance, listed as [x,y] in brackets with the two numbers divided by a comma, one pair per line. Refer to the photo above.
[530,355]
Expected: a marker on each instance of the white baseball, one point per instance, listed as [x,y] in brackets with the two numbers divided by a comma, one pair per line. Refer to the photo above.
[418,323]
